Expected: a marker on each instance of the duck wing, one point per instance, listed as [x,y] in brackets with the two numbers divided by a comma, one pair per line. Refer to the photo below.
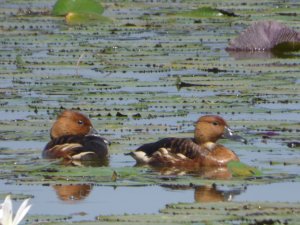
[76,147]
[184,146]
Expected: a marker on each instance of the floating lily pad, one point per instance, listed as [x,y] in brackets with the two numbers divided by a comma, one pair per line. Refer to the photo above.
[204,12]
[80,11]
[45,219]
[239,169]
[83,18]
[79,7]
[223,213]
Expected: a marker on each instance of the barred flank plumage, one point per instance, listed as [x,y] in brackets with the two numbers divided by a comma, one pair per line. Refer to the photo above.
[185,146]
[68,146]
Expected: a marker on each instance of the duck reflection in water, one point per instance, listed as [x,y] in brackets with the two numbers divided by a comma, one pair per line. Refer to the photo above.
[213,194]
[208,193]
[213,173]
[72,193]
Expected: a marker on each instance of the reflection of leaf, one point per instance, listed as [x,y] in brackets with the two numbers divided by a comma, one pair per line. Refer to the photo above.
[81,18]
[239,169]
[63,7]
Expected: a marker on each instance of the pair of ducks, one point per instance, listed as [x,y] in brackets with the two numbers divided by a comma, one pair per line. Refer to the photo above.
[73,137]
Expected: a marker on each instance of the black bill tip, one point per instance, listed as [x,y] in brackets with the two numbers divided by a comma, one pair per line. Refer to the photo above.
[229,134]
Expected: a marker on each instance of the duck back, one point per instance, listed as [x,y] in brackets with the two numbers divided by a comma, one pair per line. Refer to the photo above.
[184,146]
[90,147]
[183,152]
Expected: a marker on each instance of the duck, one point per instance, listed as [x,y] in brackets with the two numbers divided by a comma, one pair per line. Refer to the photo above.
[200,151]
[74,138]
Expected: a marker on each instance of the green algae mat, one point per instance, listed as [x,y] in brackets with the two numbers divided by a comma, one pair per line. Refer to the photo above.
[144,70]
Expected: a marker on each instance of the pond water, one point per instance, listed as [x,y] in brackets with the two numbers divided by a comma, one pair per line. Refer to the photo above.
[85,202]
[133,65]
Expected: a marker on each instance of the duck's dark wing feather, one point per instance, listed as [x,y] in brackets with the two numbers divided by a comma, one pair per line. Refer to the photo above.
[69,146]
[185,146]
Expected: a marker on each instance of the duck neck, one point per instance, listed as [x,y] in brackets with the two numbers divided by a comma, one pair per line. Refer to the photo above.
[202,138]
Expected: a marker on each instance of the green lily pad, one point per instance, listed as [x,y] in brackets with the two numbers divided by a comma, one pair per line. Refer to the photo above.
[84,18]
[214,213]
[239,169]
[45,219]
[83,7]
[204,12]
[203,213]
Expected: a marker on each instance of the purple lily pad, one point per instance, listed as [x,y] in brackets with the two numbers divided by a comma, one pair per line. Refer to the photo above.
[263,36]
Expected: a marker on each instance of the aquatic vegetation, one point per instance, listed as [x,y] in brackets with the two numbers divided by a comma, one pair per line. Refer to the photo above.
[239,169]
[80,11]
[223,213]
[148,75]
[64,7]
[79,18]
[204,12]
[266,36]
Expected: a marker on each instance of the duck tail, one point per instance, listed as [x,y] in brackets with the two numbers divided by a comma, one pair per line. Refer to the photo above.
[140,157]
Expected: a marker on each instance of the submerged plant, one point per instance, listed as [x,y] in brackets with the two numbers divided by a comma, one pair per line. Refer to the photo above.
[6,212]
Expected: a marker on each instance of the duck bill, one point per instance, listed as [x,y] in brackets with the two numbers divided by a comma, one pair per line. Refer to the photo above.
[229,134]
[106,141]
[94,132]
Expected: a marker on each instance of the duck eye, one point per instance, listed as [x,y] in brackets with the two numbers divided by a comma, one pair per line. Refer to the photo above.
[80,122]
[215,123]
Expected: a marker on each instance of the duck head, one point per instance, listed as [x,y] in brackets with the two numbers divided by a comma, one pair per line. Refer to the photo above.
[72,123]
[210,128]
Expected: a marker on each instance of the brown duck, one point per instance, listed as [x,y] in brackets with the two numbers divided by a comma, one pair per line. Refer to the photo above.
[73,137]
[200,151]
